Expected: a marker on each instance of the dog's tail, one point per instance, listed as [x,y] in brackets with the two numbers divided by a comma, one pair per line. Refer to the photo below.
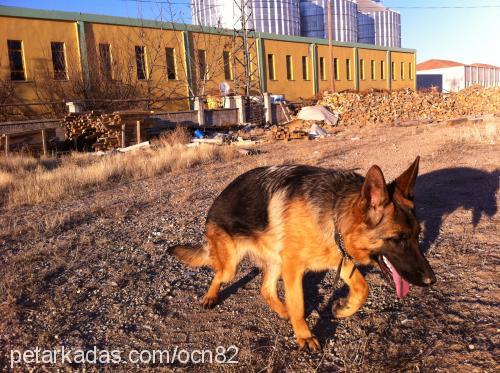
[192,255]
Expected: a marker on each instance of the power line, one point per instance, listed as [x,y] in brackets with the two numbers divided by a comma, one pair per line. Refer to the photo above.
[391,7]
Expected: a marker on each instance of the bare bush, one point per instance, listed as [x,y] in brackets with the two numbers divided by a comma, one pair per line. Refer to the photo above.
[179,135]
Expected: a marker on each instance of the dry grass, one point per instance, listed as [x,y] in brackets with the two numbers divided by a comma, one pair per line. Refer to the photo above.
[28,181]
[488,133]
[179,135]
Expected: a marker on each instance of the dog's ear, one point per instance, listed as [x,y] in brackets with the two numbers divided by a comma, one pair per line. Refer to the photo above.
[406,181]
[374,195]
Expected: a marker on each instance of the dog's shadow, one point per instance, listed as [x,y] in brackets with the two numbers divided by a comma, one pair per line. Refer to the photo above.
[441,192]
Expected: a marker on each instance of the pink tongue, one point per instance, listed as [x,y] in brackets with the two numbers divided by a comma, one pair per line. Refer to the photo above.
[402,286]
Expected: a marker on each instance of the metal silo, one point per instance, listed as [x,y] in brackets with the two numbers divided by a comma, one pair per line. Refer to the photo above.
[387,28]
[277,16]
[366,28]
[314,18]
[216,13]
[273,16]
[344,20]
[384,28]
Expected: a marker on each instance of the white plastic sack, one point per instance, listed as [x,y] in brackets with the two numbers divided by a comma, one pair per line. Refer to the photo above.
[318,113]
[317,131]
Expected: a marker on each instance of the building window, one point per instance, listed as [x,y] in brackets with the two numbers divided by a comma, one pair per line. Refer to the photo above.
[322,68]
[170,59]
[382,70]
[393,70]
[58,60]
[270,67]
[402,71]
[348,69]
[105,61]
[202,64]
[228,73]
[16,60]
[336,69]
[140,59]
[410,70]
[252,70]
[289,68]
[372,70]
[305,68]
[362,69]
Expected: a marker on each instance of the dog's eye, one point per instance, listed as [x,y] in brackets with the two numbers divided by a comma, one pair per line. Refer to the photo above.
[392,239]
[398,238]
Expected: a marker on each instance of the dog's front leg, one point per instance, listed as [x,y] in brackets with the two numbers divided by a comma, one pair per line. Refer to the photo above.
[358,291]
[292,278]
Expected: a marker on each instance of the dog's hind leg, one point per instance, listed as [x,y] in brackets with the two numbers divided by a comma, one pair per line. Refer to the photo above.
[358,291]
[224,261]
[272,273]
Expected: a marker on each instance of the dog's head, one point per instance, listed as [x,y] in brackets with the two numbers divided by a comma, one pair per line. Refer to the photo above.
[386,230]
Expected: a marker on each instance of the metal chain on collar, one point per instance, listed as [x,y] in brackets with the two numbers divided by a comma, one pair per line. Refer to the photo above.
[339,240]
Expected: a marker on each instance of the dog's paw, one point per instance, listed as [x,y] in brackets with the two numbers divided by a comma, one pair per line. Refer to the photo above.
[208,302]
[310,344]
[341,309]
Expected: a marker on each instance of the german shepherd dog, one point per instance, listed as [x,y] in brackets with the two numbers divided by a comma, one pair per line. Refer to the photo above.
[287,217]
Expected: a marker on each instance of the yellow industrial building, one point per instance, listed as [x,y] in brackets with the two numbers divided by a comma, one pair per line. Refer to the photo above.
[51,55]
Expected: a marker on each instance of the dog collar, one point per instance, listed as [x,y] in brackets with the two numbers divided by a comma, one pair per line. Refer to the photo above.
[339,240]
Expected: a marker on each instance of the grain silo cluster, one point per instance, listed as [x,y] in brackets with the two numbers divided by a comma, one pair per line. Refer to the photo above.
[363,21]
[273,16]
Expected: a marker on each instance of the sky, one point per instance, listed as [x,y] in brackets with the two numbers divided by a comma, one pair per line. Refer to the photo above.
[466,31]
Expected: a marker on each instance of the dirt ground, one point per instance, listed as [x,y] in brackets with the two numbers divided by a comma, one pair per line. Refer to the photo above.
[94,271]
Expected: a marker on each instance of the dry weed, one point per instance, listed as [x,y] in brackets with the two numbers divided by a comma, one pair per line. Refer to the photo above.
[489,133]
[179,135]
[29,181]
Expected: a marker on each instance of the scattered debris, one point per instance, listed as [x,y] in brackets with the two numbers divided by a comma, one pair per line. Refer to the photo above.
[199,134]
[288,131]
[317,132]
[142,145]
[318,113]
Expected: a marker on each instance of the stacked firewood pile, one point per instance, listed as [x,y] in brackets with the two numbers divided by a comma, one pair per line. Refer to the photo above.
[102,131]
[407,105]
[295,129]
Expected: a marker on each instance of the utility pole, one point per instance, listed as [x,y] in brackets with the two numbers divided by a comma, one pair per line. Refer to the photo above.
[245,60]
[330,46]
[246,48]
[244,51]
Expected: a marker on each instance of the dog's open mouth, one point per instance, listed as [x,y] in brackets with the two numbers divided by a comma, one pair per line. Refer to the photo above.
[402,286]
